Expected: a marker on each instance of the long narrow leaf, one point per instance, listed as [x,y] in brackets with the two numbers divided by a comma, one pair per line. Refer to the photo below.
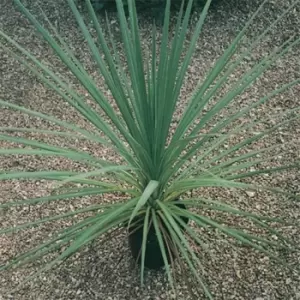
[149,190]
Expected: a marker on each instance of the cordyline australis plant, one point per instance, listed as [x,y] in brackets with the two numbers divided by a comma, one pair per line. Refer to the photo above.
[160,167]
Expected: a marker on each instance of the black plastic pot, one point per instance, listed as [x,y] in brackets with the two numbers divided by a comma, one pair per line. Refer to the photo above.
[153,256]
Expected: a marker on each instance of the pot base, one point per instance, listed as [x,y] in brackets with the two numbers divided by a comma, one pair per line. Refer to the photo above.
[153,256]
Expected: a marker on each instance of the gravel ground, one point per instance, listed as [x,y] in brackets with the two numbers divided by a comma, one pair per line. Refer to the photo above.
[105,270]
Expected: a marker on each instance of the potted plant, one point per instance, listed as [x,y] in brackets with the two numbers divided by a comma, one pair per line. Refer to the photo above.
[159,166]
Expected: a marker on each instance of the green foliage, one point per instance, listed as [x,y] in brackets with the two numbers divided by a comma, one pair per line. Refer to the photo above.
[158,167]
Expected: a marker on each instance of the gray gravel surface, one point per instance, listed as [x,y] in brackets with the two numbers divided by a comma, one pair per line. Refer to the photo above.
[105,269]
